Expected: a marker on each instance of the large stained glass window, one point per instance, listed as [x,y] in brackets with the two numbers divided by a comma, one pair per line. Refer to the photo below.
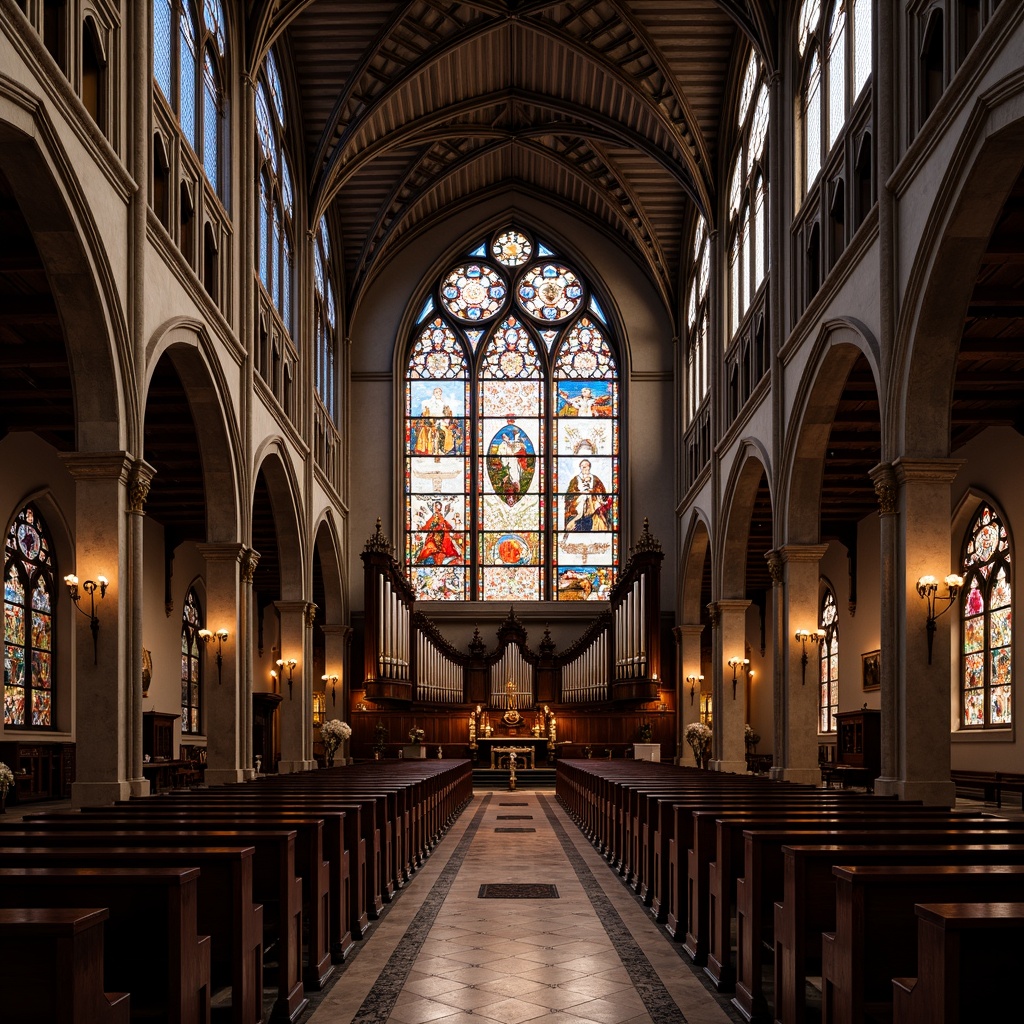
[828,680]
[191,665]
[29,573]
[511,431]
[987,611]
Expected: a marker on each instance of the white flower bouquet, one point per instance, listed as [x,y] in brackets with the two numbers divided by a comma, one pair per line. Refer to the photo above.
[334,733]
[416,735]
[698,735]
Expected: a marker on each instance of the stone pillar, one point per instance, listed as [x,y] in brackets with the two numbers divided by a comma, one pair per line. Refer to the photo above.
[730,702]
[296,710]
[884,478]
[796,690]
[688,642]
[223,691]
[336,646]
[246,640]
[104,726]
[922,689]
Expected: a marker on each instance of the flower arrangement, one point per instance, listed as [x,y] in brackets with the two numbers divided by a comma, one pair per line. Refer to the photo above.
[334,732]
[698,735]
[750,738]
[6,781]
[380,735]
[646,732]
[416,735]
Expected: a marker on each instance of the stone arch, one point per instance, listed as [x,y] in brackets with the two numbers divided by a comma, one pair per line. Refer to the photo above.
[840,343]
[985,164]
[751,464]
[188,346]
[272,464]
[327,544]
[81,281]
[696,548]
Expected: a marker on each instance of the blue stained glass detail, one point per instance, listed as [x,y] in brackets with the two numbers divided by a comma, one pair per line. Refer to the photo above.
[329,303]
[263,126]
[264,205]
[596,309]
[275,248]
[480,250]
[214,17]
[543,250]
[286,186]
[187,79]
[162,36]
[318,271]
[428,308]
[274,81]
[211,133]
[325,240]
[286,288]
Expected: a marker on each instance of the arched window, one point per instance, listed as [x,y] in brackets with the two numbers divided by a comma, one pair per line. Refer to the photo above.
[276,194]
[748,197]
[29,574]
[325,316]
[828,688]
[512,431]
[188,63]
[834,47]
[986,678]
[191,666]
[697,322]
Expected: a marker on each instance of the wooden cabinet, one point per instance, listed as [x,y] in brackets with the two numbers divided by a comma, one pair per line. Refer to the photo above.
[858,756]
[43,771]
[158,735]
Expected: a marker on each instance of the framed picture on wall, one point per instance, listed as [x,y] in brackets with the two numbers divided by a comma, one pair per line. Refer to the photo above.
[871,663]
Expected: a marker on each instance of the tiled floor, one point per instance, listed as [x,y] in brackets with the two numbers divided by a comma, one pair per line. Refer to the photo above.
[442,954]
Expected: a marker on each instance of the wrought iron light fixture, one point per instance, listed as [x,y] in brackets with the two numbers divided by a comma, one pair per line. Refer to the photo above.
[694,681]
[220,636]
[289,664]
[333,680]
[928,588]
[90,587]
[734,664]
[805,636]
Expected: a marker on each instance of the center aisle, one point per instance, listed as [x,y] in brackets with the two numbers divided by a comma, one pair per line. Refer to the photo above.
[442,953]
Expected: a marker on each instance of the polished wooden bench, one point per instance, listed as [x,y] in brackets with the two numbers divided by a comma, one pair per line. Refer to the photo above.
[53,961]
[762,885]
[151,946]
[963,952]
[226,911]
[992,785]
[875,938]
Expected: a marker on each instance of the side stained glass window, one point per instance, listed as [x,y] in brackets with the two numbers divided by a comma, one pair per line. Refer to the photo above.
[191,669]
[325,375]
[29,574]
[828,687]
[987,623]
[511,443]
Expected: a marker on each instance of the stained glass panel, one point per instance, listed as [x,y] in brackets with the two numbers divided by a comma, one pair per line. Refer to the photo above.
[214,17]
[974,634]
[1000,711]
[512,248]
[211,127]
[191,677]
[162,36]
[187,77]
[974,707]
[550,292]
[474,292]
[584,583]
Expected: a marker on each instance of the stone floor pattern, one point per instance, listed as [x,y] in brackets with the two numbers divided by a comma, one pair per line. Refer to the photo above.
[442,954]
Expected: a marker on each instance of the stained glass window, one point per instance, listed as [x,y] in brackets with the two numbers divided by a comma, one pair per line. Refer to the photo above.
[188,56]
[828,678]
[191,667]
[277,199]
[324,369]
[29,574]
[987,623]
[511,443]
[747,243]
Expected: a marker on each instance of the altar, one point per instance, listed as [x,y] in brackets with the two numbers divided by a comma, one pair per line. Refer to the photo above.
[494,748]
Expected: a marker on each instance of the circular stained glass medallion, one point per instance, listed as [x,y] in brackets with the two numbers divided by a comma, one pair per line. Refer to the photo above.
[474,292]
[550,292]
[511,248]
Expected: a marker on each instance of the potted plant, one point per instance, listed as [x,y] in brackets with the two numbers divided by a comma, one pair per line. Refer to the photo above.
[334,733]
[380,735]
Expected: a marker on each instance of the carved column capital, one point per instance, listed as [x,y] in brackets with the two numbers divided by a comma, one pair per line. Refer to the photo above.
[310,614]
[775,567]
[250,559]
[714,614]
[139,481]
[884,478]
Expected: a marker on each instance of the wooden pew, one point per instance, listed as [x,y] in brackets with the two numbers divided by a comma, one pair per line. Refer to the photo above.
[168,974]
[309,863]
[958,944]
[763,883]
[53,968]
[876,929]
[226,911]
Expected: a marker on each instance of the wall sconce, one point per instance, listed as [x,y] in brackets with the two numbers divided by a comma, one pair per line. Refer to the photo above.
[290,664]
[928,588]
[220,636]
[734,664]
[805,636]
[90,587]
[694,681]
[333,680]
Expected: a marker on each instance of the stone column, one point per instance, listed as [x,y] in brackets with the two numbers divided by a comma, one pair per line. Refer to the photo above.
[138,490]
[922,689]
[104,726]
[223,691]
[336,642]
[884,478]
[296,710]
[688,641]
[246,640]
[730,702]
[796,691]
